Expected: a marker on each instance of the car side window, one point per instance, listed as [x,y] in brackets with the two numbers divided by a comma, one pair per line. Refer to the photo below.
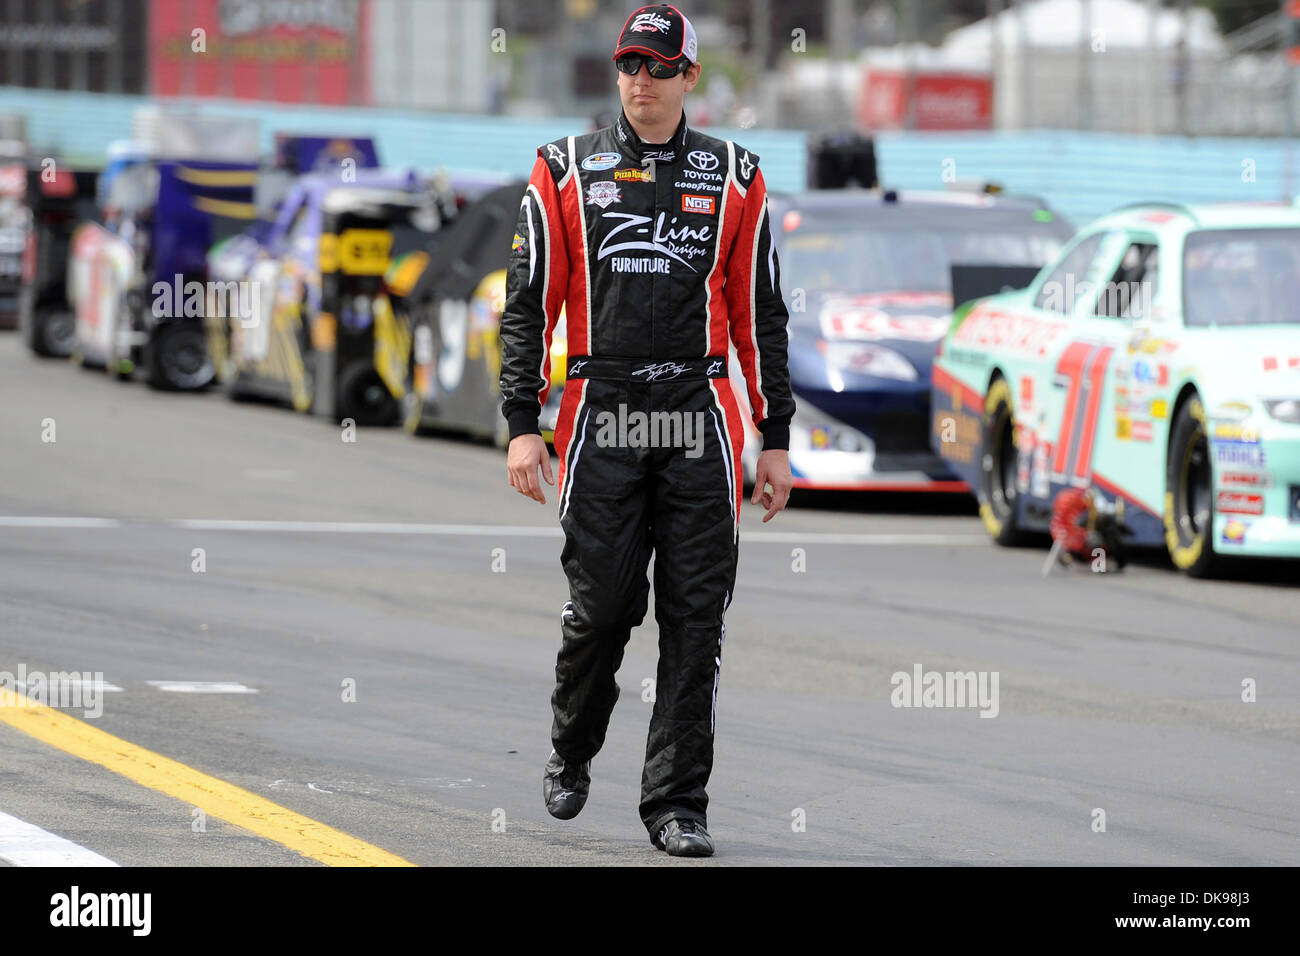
[1065,284]
[1131,288]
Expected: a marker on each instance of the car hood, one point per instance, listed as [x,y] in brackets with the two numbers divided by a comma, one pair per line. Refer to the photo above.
[910,323]
[1256,361]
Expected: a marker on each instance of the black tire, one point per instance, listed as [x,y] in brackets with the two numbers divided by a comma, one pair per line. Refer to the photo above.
[997,492]
[1189,494]
[363,397]
[55,333]
[180,360]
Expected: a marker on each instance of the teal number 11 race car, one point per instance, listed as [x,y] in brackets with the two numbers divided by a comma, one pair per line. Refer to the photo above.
[1156,362]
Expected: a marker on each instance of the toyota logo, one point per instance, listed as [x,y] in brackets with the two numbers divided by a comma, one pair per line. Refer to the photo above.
[702,160]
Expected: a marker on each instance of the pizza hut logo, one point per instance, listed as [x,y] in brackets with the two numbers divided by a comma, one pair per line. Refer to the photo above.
[649,23]
[701,204]
[602,194]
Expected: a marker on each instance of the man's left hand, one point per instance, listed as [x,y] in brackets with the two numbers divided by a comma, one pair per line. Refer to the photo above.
[773,471]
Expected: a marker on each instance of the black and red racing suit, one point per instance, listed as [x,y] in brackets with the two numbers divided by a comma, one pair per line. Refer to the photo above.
[662,257]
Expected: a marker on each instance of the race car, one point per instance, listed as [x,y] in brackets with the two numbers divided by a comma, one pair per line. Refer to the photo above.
[60,199]
[313,324]
[1155,362]
[455,307]
[137,278]
[866,278]
[15,228]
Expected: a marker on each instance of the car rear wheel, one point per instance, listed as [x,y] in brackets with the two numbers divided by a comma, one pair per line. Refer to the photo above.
[365,398]
[998,467]
[1189,494]
[56,333]
[180,359]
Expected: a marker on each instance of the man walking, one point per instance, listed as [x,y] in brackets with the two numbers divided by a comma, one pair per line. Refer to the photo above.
[655,239]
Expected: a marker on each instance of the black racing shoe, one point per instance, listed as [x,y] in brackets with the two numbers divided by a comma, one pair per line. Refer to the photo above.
[565,787]
[684,838]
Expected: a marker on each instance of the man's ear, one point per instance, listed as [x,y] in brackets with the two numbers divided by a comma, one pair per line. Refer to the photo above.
[693,76]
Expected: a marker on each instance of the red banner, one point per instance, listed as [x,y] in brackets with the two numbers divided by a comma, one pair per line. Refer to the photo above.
[940,101]
[289,51]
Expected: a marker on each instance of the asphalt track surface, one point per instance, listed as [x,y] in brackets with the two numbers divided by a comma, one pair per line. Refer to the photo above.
[373,562]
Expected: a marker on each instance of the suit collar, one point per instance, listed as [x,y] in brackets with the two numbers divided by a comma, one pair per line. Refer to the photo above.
[638,150]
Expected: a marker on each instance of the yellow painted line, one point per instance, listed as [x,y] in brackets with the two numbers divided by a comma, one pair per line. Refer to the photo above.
[214,797]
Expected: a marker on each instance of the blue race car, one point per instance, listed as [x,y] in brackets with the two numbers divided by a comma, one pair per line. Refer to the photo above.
[866,276]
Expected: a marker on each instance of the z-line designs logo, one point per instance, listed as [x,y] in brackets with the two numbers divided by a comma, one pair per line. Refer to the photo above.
[677,243]
[650,23]
[660,155]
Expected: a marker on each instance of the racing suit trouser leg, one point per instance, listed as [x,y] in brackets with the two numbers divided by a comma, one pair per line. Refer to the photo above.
[695,542]
[605,515]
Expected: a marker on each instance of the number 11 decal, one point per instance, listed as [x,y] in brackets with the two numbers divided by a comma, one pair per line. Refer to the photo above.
[1082,370]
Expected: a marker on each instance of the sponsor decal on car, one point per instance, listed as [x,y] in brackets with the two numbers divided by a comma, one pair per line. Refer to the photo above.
[958,433]
[599,161]
[1231,411]
[1274,362]
[851,319]
[1247,479]
[1151,373]
[1232,431]
[993,328]
[700,204]
[1234,532]
[1236,502]
[602,194]
[632,175]
[1239,454]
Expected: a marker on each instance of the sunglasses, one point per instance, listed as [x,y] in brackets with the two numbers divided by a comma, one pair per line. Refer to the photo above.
[630,63]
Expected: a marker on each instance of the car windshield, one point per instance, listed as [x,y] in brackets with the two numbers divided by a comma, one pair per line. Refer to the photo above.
[1242,277]
[853,258]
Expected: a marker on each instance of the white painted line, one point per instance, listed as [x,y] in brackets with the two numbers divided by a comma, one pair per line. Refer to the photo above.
[368,527]
[817,537]
[23,521]
[22,844]
[201,687]
[495,530]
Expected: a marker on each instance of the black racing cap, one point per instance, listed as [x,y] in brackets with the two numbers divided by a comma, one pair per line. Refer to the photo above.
[660,30]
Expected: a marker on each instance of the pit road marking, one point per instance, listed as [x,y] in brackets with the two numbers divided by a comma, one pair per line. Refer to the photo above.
[216,798]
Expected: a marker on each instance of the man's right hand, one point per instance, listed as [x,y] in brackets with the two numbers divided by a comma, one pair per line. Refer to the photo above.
[527,453]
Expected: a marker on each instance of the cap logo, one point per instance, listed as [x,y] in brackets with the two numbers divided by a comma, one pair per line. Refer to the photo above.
[648,22]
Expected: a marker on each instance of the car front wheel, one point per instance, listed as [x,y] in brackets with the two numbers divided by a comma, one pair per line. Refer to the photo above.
[1189,494]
